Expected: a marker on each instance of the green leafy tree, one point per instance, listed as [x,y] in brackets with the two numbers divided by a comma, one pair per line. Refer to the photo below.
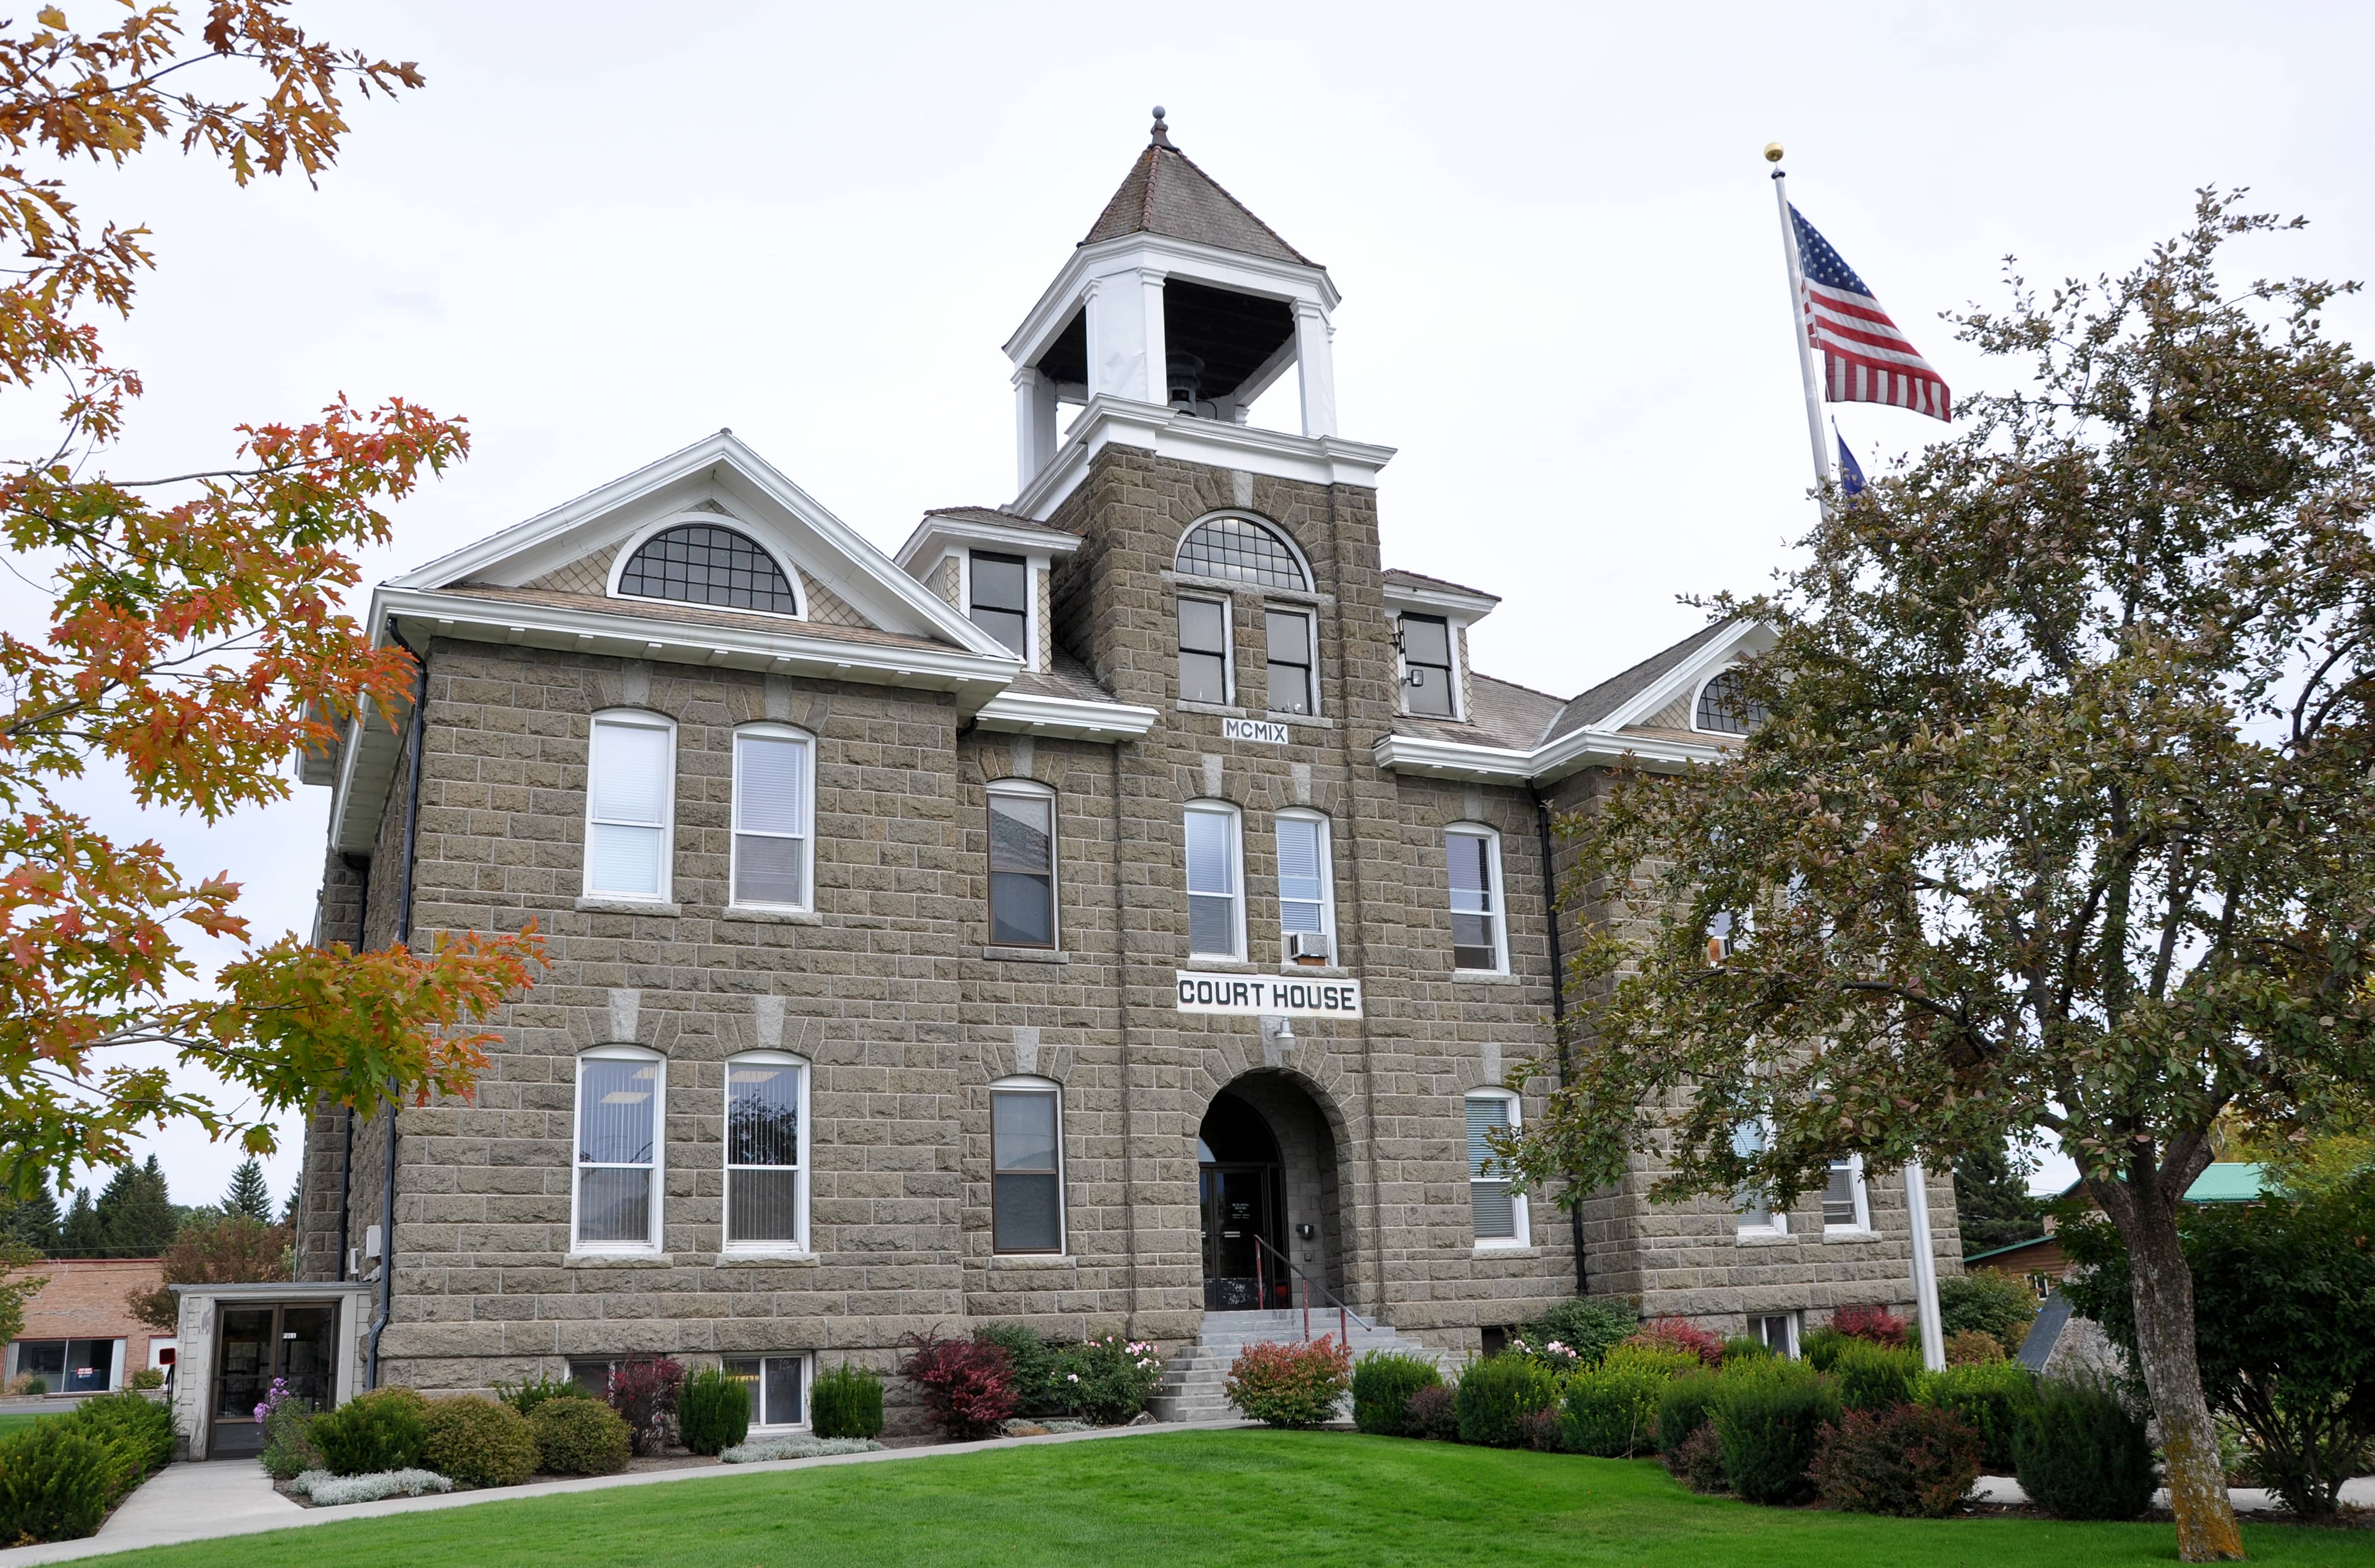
[2062,823]
[82,1235]
[16,1286]
[1992,1202]
[2284,1299]
[248,1195]
[215,1249]
[35,1223]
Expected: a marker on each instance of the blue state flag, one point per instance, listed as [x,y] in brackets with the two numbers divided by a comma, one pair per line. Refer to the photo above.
[1850,471]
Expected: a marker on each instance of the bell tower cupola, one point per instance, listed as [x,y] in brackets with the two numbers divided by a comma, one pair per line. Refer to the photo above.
[1181,308]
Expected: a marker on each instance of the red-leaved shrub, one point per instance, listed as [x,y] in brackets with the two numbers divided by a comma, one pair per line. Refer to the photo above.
[643,1389]
[968,1385]
[1542,1430]
[1877,1324]
[1680,1334]
[1296,1385]
[1433,1413]
[1913,1461]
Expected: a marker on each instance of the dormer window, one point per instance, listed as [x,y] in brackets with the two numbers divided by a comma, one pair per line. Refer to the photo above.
[1001,598]
[1726,708]
[1426,666]
[700,563]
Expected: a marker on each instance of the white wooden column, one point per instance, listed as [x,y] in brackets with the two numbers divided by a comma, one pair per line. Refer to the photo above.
[1158,361]
[1315,369]
[1034,425]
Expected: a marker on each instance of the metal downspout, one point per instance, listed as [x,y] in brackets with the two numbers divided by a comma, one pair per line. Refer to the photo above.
[347,1151]
[404,938]
[1558,1011]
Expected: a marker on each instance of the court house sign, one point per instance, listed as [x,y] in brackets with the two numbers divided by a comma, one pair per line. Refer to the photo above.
[1268,995]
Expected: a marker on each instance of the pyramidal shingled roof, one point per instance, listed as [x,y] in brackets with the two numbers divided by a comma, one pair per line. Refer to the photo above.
[1166,194]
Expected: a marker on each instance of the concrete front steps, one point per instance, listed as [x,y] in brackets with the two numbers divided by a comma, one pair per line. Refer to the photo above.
[1192,1385]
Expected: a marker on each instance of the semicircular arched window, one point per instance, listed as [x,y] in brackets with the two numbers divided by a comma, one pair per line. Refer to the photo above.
[1726,708]
[699,564]
[1238,549]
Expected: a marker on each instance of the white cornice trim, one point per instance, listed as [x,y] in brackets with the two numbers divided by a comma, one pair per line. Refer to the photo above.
[1107,421]
[1427,758]
[1201,264]
[919,550]
[1066,717]
[1688,675]
[1468,606]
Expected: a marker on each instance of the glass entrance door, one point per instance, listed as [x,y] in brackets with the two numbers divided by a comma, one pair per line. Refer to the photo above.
[1241,1205]
[254,1344]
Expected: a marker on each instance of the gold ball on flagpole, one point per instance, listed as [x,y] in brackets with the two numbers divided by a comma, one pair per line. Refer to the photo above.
[1772,152]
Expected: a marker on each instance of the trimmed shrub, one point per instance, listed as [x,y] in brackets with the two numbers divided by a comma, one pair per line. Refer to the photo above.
[1433,1414]
[1819,1348]
[1290,1386]
[1877,1324]
[1698,1463]
[527,1396]
[1989,1302]
[1611,1410]
[142,1429]
[1032,1361]
[1914,1461]
[1109,1381]
[2081,1454]
[1383,1382]
[478,1442]
[758,1453]
[967,1384]
[57,1481]
[332,1491]
[1744,1349]
[1582,1328]
[1680,1333]
[1874,1378]
[1542,1432]
[1685,1407]
[581,1437]
[1495,1395]
[713,1411]
[1990,1397]
[289,1450]
[846,1403]
[146,1377]
[644,1390]
[1769,1416]
[379,1431]
[1969,1346]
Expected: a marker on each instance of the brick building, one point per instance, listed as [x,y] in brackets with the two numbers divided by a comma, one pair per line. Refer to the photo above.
[1122,908]
[79,1336]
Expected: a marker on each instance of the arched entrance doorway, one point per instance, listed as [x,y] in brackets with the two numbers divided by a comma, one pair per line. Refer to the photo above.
[1267,1195]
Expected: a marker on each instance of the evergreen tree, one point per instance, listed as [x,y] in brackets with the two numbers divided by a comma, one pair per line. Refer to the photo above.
[248,1195]
[34,1222]
[83,1234]
[296,1192]
[1992,1203]
[137,1215]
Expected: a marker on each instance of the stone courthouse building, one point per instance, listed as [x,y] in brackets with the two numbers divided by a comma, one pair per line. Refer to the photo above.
[1124,907]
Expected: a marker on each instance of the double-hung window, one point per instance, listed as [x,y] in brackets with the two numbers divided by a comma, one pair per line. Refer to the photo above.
[1203,651]
[630,801]
[1021,866]
[766,1175]
[1499,1212]
[1026,1161]
[777,1385]
[1479,940]
[1307,901]
[1757,1215]
[773,809]
[1292,688]
[1426,666]
[1001,598]
[1846,1205]
[620,1093]
[1216,925]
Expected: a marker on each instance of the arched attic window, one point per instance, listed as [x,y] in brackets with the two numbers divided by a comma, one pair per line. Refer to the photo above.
[1726,708]
[1238,549]
[700,563]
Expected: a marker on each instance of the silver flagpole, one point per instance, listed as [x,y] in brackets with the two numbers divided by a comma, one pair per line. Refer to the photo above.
[1798,320]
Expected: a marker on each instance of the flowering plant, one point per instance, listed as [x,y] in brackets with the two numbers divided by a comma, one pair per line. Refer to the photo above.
[1556,1354]
[1110,1380]
[274,1398]
[1293,1386]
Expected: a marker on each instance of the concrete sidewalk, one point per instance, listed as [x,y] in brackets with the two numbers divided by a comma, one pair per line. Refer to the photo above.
[2359,1493]
[233,1497]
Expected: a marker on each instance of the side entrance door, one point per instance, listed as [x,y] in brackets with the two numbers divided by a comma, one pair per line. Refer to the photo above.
[258,1344]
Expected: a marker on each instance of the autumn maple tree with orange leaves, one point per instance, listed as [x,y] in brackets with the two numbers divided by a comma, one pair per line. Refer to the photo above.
[195,640]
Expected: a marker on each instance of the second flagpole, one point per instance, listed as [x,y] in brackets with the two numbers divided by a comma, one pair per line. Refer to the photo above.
[1797,321]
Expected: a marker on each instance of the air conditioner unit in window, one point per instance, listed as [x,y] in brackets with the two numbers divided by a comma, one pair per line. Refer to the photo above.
[1306,946]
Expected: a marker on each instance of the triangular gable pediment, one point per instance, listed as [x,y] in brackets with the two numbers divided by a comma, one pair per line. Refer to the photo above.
[1661,691]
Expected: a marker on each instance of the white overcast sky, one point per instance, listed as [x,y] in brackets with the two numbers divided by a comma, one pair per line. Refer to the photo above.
[604,231]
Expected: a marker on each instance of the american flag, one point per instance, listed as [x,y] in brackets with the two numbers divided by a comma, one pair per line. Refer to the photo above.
[1865,359]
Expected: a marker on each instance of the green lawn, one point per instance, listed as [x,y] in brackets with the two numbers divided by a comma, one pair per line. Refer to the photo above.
[16,1420]
[1235,1497]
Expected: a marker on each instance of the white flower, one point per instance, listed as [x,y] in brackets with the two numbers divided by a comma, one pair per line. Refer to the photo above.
[1071,1377]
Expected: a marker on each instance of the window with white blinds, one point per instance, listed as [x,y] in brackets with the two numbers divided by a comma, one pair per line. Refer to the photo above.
[1305,894]
[1216,926]
[1478,939]
[1500,1212]
[619,1095]
[774,791]
[630,800]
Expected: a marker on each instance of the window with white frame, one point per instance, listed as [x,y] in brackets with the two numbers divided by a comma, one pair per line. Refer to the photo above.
[630,806]
[766,1152]
[1021,865]
[1216,924]
[1757,1215]
[1000,599]
[775,802]
[1203,650]
[1306,894]
[1500,1211]
[777,1384]
[622,1090]
[1776,1331]
[1478,939]
[1846,1205]
[1026,1166]
[1426,666]
[1292,686]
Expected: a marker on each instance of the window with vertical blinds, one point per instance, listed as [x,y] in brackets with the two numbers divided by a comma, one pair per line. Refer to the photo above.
[1497,1207]
[618,1118]
[773,779]
[630,791]
[766,1174]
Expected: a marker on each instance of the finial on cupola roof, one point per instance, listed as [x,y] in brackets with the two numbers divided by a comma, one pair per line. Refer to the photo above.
[1161,135]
